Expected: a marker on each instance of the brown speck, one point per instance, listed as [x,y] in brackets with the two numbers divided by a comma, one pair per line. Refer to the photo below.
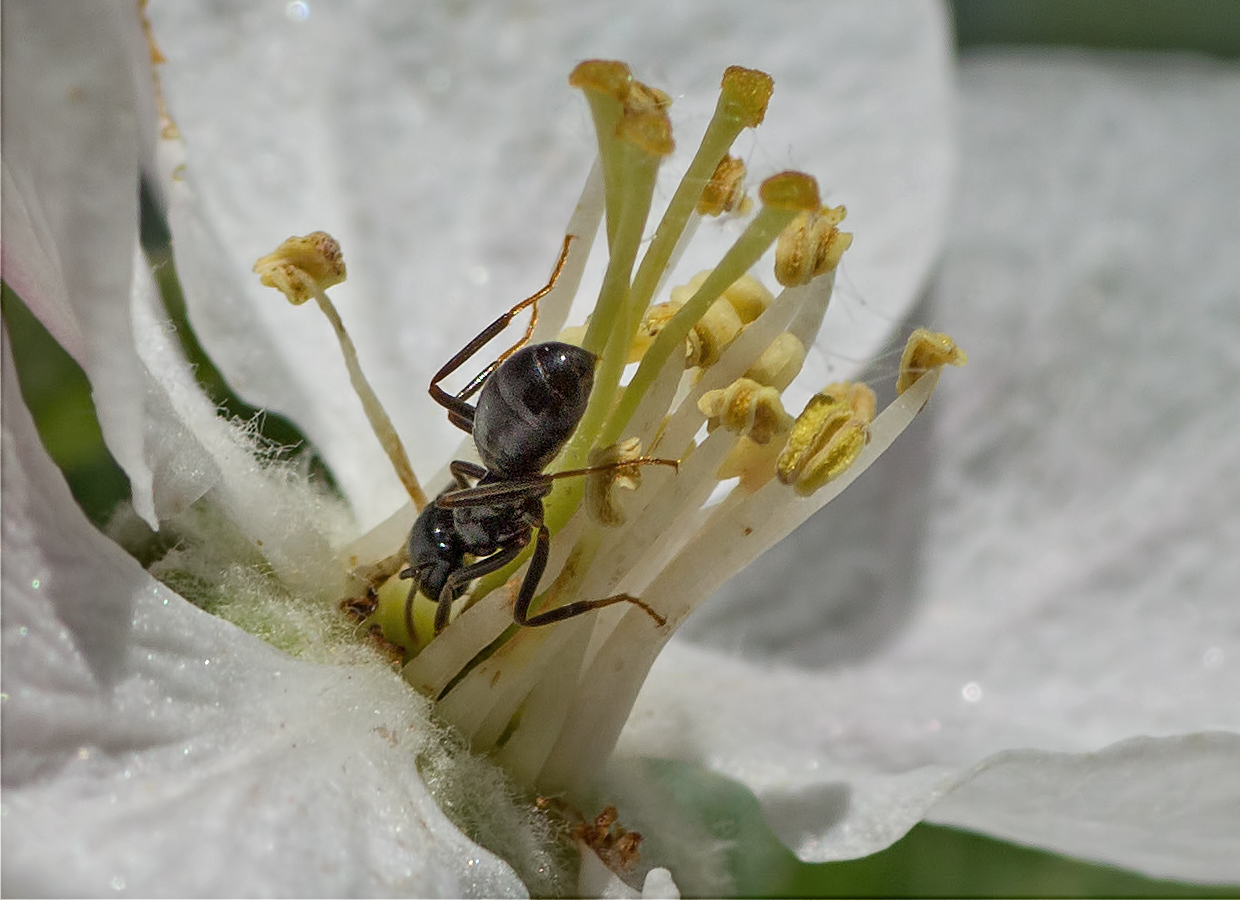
[748,531]
[359,609]
[616,847]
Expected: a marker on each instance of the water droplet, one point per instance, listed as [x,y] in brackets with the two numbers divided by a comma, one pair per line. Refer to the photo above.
[297,10]
[35,583]
[1211,659]
[117,882]
[971,692]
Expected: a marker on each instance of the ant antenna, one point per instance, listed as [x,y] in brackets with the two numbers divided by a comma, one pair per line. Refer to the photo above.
[442,397]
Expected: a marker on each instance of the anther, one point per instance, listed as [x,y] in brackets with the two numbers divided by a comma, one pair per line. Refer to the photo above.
[746,407]
[827,437]
[926,350]
[725,192]
[304,267]
[810,246]
[779,363]
[601,486]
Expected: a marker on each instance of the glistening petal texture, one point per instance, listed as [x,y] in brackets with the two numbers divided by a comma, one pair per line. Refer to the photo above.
[72,145]
[150,749]
[441,145]
[1076,594]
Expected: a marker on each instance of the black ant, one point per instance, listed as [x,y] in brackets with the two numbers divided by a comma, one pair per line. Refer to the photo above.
[531,400]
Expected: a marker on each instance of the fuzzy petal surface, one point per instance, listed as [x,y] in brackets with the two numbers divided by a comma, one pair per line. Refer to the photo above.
[151,749]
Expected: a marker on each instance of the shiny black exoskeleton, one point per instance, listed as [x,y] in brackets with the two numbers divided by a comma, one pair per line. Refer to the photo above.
[530,403]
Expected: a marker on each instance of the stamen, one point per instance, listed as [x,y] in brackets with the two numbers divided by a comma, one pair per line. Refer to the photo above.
[746,407]
[811,246]
[725,192]
[926,350]
[828,436]
[304,267]
[601,486]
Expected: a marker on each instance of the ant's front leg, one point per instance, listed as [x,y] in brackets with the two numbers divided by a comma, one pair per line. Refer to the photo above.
[458,580]
[538,564]
[460,412]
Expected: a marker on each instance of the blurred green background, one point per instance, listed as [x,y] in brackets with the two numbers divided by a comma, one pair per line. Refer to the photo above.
[930,861]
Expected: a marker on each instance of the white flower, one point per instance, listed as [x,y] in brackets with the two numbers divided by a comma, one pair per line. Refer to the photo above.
[1068,590]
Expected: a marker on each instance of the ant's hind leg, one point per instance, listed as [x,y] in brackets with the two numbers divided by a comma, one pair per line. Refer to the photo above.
[461,413]
[538,563]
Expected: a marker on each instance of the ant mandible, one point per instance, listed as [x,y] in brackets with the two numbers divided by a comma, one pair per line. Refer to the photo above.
[531,399]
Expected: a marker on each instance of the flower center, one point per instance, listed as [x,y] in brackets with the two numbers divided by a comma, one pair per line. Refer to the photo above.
[534,616]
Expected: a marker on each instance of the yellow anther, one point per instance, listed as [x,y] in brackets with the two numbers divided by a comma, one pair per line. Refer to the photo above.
[742,302]
[927,350]
[840,452]
[601,486]
[725,192]
[303,267]
[827,437]
[745,94]
[746,407]
[642,98]
[779,363]
[718,327]
[749,297]
[652,323]
[647,128]
[811,245]
[790,191]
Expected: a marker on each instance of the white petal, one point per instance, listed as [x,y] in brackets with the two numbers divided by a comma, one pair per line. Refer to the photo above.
[193,452]
[1077,581]
[72,146]
[152,749]
[442,146]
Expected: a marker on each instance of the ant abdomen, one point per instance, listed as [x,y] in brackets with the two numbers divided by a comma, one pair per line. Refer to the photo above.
[530,407]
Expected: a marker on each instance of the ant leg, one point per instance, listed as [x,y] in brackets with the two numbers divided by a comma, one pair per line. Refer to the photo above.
[533,486]
[457,581]
[463,470]
[527,487]
[460,412]
[538,564]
